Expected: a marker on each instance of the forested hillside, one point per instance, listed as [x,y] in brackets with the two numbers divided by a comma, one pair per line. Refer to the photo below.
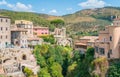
[34,17]
[82,21]
[91,19]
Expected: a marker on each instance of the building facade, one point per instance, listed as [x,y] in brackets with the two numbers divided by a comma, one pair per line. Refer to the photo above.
[5,34]
[108,44]
[61,38]
[41,31]
[84,42]
[32,42]
[13,60]
[28,25]
[19,37]
[65,42]
[60,33]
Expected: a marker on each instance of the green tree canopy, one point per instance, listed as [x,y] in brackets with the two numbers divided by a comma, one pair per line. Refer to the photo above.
[57,22]
[28,72]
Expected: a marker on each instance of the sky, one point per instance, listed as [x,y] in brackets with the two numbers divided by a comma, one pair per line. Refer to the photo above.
[55,7]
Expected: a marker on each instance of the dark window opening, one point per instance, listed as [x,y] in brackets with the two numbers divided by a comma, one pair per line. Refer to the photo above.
[24,57]
[1,20]
[96,49]
[15,58]
[1,28]
[6,36]
[110,38]
[110,51]
[108,55]
[6,20]
[102,51]
[1,37]
[6,29]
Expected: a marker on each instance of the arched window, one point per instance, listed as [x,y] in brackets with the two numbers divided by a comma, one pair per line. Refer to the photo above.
[24,57]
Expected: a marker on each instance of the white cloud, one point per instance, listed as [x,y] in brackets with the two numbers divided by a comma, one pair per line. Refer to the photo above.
[69,9]
[92,4]
[53,11]
[10,5]
[22,7]
[43,10]
[3,2]
[18,6]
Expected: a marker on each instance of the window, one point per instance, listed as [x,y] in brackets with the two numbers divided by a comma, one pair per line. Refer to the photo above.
[6,43]
[96,49]
[24,57]
[110,51]
[6,36]
[102,51]
[110,38]
[6,20]
[6,28]
[21,22]
[1,28]
[108,55]
[1,20]
[1,37]
[23,41]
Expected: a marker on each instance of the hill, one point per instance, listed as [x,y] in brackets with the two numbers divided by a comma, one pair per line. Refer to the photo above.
[36,18]
[91,19]
[82,21]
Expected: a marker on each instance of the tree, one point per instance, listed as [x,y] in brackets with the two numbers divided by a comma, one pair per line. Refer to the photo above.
[49,39]
[53,60]
[100,67]
[83,63]
[28,72]
[56,70]
[44,72]
[71,70]
[114,70]
[57,22]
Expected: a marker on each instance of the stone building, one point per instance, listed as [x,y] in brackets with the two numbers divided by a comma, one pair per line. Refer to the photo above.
[84,42]
[28,25]
[19,37]
[108,44]
[60,33]
[61,38]
[65,42]
[12,61]
[14,51]
[32,42]
[22,34]
[5,34]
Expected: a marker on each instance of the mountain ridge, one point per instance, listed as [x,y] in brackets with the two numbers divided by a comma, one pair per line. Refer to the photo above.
[82,20]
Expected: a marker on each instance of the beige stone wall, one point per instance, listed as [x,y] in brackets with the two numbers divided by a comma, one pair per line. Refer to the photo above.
[114,44]
[5,35]
[111,46]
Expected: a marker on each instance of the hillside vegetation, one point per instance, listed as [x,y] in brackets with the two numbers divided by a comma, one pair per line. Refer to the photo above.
[34,17]
[91,19]
[82,21]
